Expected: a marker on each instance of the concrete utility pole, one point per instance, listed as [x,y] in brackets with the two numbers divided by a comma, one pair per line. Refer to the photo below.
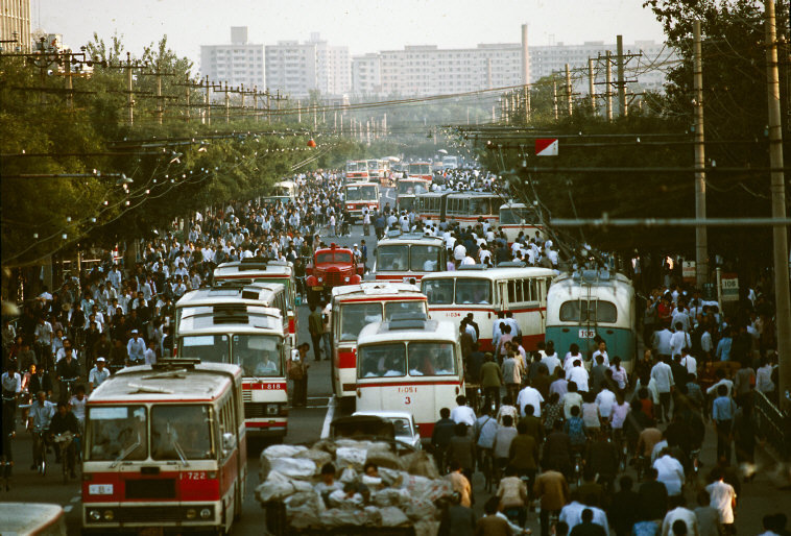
[592,95]
[207,103]
[227,104]
[702,259]
[777,191]
[526,67]
[68,72]
[159,97]
[608,82]
[555,99]
[489,73]
[620,76]
[527,100]
[568,89]
[130,97]
[187,93]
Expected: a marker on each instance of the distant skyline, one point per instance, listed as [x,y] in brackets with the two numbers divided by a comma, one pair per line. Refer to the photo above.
[362,25]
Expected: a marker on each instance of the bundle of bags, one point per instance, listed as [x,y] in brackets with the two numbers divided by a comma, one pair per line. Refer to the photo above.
[407,491]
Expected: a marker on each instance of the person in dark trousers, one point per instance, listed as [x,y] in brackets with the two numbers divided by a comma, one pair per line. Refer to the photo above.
[587,527]
[298,373]
[315,329]
[624,507]
[441,438]
[653,497]
[458,519]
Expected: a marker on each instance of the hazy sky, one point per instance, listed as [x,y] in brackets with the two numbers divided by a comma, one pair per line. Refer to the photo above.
[362,25]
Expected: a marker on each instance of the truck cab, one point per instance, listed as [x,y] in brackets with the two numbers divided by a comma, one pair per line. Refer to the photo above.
[331,267]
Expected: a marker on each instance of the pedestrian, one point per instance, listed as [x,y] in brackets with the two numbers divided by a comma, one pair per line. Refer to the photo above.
[491,523]
[723,409]
[98,374]
[587,526]
[491,381]
[298,373]
[441,438]
[624,507]
[552,490]
[457,519]
[462,450]
[513,494]
[724,499]
[315,329]
[460,483]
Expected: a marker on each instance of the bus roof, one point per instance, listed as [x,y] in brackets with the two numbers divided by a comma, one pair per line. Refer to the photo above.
[513,205]
[410,238]
[615,286]
[360,184]
[492,273]
[138,384]
[238,323]
[376,289]
[257,294]
[24,518]
[392,331]
[253,268]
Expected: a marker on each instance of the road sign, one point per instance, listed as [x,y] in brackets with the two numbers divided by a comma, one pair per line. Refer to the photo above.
[689,271]
[547,147]
[730,287]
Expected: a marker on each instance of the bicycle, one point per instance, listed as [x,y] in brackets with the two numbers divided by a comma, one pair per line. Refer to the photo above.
[65,444]
[40,445]
[67,386]
[487,467]
[695,466]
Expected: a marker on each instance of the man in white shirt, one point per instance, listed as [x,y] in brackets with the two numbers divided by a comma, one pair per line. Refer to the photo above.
[679,340]
[463,413]
[605,400]
[530,396]
[670,473]
[98,374]
[579,376]
[680,513]
[136,348]
[662,342]
[572,514]
[688,361]
[724,499]
[460,252]
[664,379]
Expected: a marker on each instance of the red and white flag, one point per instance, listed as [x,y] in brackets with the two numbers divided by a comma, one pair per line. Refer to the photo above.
[547,147]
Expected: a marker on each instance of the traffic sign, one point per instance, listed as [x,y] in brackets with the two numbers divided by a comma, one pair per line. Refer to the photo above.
[547,147]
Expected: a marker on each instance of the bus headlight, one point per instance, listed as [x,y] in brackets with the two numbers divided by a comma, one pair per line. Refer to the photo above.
[272,410]
[191,514]
[206,513]
[108,515]
[95,515]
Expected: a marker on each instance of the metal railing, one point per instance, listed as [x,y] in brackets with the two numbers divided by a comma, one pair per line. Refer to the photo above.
[773,425]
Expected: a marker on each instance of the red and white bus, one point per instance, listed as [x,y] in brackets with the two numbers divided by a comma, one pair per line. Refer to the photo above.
[407,189]
[255,342]
[487,292]
[165,447]
[359,195]
[516,218]
[466,208]
[260,270]
[410,365]
[357,171]
[355,306]
[421,170]
[408,257]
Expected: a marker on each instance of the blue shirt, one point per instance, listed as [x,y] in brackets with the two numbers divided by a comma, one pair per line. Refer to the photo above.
[722,408]
[724,349]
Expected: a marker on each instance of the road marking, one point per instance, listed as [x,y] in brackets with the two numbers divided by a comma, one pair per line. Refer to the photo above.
[328,417]
[68,508]
[76,499]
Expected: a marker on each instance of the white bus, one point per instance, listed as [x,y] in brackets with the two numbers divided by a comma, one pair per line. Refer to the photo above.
[407,189]
[421,170]
[260,270]
[463,207]
[450,162]
[408,257]
[487,292]
[359,195]
[165,446]
[516,218]
[410,365]
[355,306]
[254,342]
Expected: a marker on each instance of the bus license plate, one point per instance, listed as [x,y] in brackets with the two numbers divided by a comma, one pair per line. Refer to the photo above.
[103,490]
[586,334]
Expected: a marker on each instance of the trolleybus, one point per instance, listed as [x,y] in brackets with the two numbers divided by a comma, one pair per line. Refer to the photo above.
[408,257]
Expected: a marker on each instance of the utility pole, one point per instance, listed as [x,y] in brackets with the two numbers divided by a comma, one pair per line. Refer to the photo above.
[130,96]
[187,93]
[702,260]
[159,97]
[592,95]
[207,103]
[555,99]
[227,104]
[778,194]
[608,85]
[620,76]
[527,99]
[489,73]
[568,90]
[299,113]
[69,87]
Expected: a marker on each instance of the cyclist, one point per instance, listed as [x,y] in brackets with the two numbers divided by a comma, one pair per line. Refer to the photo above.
[41,412]
[8,430]
[62,422]
[67,372]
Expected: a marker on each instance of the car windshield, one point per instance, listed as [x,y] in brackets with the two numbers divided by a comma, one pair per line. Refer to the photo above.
[392,257]
[425,258]
[259,356]
[431,359]
[439,291]
[404,306]
[472,291]
[381,360]
[401,426]
[334,257]
[513,216]
[116,431]
[181,432]
[209,348]
[355,316]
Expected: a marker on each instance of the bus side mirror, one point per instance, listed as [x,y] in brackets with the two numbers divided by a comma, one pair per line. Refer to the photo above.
[229,442]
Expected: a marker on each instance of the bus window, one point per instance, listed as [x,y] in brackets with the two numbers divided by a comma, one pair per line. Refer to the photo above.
[439,291]
[515,291]
[606,312]
[355,316]
[583,311]
[353,193]
[181,432]
[392,257]
[425,258]
[431,359]
[368,193]
[382,360]
[116,432]
[212,348]
[405,306]
[470,291]
[529,289]
[259,356]
[513,216]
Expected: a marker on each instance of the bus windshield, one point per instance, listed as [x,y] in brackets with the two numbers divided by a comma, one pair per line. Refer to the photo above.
[411,187]
[403,306]
[181,432]
[472,291]
[259,356]
[514,216]
[425,258]
[209,348]
[116,433]
[387,360]
[420,169]
[431,359]
[355,316]
[439,291]
[392,257]
[583,311]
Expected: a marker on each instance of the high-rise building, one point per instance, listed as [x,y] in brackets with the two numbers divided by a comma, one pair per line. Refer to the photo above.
[15,25]
[296,68]
[239,63]
[366,74]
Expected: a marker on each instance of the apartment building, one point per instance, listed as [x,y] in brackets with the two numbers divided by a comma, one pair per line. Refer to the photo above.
[240,63]
[295,68]
[15,25]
